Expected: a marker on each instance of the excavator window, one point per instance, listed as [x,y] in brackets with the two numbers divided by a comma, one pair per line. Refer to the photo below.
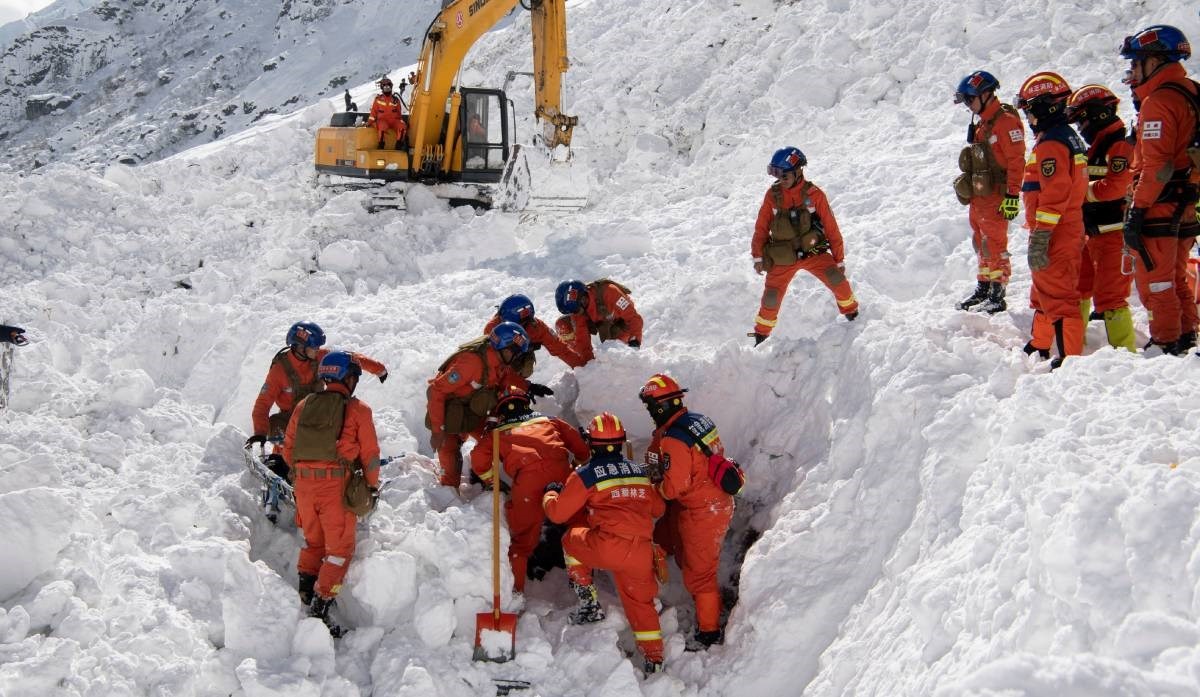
[483,131]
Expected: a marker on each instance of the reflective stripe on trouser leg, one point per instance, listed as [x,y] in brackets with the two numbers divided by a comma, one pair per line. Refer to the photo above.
[774,289]
[1157,289]
[577,571]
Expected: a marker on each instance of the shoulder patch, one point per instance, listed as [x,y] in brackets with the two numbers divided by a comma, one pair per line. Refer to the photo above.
[1152,130]
[622,302]
[1118,164]
[1049,167]
[1016,135]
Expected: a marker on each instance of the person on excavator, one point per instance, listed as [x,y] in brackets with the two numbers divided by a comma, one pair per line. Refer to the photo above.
[611,505]
[518,309]
[292,377]
[796,230]
[534,450]
[602,307]
[386,114]
[466,389]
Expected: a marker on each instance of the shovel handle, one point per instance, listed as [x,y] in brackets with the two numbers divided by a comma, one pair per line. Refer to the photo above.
[496,525]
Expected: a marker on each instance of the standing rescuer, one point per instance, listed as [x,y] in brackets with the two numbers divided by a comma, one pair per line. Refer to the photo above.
[992,166]
[1161,226]
[796,230]
[331,433]
[1055,186]
[1104,289]
[698,509]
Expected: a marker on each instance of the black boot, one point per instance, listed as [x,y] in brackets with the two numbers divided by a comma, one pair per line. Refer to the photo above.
[1030,349]
[980,294]
[308,582]
[1185,343]
[319,608]
[380,145]
[651,667]
[701,641]
[589,609]
[995,299]
[758,338]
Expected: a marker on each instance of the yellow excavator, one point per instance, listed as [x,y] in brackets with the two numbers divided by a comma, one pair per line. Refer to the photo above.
[460,140]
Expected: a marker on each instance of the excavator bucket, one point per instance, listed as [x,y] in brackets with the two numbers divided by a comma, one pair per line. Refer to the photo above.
[539,182]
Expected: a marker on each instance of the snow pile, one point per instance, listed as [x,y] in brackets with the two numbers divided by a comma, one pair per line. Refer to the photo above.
[932,512]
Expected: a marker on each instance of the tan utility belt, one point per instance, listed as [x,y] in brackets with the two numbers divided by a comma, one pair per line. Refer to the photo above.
[303,472]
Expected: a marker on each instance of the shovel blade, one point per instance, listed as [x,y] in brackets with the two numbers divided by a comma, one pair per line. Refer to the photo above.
[495,636]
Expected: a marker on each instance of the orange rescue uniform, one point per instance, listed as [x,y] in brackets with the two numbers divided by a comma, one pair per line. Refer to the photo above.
[534,451]
[386,115]
[698,511]
[328,526]
[462,375]
[989,229]
[825,266]
[621,507]
[606,302]
[290,379]
[1165,129]
[1109,173]
[1056,184]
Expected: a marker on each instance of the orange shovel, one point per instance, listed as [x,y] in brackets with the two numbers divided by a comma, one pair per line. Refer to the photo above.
[495,631]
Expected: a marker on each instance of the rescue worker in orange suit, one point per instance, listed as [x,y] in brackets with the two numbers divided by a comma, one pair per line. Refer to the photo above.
[519,310]
[1056,184]
[698,510]
[331,433]
[535,450]
[621,505]
[993,165]
[1104,289]
[387,114]
[602,307]
[796,230]
[292,377]
[465,389]
[1161,226]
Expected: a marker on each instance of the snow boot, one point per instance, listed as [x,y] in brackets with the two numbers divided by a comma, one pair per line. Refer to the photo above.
[980,294]
[1118,324]
[650,667]
[319,608]
[995,299]
[701,641]
[758,338]
[1185,343]
[589,609]
[851,316]
[1030,349]
[306,588]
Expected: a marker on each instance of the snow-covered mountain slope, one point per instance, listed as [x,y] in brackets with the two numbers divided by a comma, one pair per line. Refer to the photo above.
[935,513]
[134,80]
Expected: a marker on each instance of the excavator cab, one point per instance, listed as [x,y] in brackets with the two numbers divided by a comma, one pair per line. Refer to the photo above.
[483,135]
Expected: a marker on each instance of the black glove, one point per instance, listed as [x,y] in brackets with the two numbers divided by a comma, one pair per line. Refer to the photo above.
[553,486]
[536,390]
[383,377]
[1132,235]
[374,496]
[275,463]
[634,343]
[256,438]
[12,335]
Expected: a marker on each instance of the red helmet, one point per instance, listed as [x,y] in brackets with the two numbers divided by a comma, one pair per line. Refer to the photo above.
[1044,95]
[1092,103]
[606,433]
[512,399]
[661,388]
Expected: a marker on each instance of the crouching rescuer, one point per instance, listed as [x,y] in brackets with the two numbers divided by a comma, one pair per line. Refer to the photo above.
[621,505]
[796,230]
[331,434]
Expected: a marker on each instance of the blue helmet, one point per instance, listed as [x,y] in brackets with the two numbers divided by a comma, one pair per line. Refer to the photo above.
[1160,40]
[306,334]
[516,308]
[338,365]
[509,335]
[569,296]
[974,85]
[786,160]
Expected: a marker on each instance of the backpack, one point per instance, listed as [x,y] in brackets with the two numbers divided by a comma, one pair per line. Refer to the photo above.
[727,474]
